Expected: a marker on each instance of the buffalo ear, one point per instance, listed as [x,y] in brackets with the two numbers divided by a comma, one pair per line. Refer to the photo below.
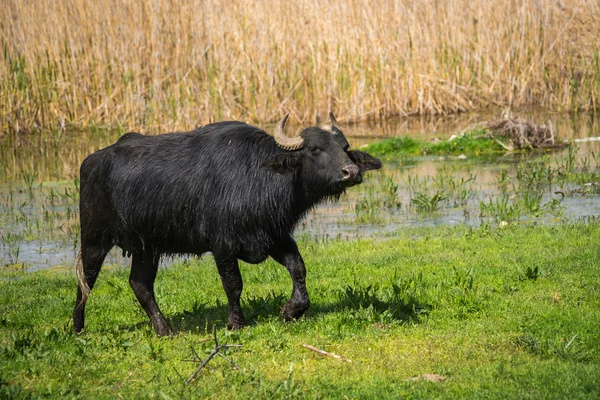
[283,163]
[364,161]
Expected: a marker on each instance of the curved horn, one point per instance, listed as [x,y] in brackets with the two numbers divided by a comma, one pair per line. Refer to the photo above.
[286,143]
[332,126]
[337,133]
[334,122]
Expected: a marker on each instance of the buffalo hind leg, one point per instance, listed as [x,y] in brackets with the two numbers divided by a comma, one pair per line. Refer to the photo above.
[287,254]
[89,263]
[141,280]
[233,285]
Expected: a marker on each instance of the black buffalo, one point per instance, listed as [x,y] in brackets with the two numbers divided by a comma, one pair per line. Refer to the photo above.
[228,188]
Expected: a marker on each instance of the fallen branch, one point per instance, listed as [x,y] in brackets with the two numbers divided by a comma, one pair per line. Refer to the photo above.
[522,133]
[507,148]
[215,352]
[325,353]
[518,134]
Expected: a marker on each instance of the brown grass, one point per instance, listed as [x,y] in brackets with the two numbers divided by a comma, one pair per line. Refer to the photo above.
[170,64]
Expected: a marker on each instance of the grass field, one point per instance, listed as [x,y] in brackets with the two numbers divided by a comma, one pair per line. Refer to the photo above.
[497,312]
[165,64]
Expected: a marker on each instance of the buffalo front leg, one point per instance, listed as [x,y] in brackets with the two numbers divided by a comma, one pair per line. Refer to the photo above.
[233,285]
[141,280]
[287,254]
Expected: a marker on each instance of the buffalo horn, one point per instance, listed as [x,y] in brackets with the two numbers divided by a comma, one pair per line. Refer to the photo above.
[332,127]
[286,143]
[334,123]
[336,131]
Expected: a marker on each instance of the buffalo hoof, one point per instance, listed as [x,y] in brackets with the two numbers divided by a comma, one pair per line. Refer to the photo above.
[161,327]
[235,322]
[292,311]
[235,327]
[166,332]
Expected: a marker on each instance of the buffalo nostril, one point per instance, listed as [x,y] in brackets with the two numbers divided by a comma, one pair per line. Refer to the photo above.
[349,172]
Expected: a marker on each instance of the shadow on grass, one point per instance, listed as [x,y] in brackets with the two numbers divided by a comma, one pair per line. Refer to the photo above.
[357,303]
[202,316]
[393,304]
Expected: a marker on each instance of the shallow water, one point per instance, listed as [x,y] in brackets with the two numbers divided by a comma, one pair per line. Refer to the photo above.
[38,187]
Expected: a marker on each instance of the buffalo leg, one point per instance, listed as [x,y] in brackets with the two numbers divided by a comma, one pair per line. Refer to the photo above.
[141,280]
[287,254]
[233,285]
[92,258]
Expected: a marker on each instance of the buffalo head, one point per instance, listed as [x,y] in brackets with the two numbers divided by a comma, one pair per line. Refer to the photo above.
[322,157]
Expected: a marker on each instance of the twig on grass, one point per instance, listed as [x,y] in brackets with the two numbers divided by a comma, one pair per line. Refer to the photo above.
[428,378]
[570,342]
[325,353]
[215,352]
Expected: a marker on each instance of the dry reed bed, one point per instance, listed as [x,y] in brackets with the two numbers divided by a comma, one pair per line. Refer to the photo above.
[167,64]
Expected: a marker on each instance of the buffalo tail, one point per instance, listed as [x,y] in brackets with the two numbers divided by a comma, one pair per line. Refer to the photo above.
[83,286]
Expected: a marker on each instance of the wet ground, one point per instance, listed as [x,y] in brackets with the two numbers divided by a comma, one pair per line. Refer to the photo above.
[39,187]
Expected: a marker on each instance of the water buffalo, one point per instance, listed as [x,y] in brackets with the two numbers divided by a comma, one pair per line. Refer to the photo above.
[228,188]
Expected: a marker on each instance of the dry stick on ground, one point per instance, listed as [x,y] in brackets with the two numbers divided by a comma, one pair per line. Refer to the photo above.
[215,352]
[325,353]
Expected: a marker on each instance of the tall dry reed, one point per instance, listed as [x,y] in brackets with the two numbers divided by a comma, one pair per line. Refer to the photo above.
[163,65]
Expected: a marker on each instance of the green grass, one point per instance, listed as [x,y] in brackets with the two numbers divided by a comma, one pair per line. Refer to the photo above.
[500,313]
[467,144]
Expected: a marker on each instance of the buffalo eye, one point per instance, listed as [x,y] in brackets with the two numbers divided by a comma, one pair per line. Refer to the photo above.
[314,149]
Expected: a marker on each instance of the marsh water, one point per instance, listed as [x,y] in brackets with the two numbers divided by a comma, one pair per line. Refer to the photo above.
[39,186]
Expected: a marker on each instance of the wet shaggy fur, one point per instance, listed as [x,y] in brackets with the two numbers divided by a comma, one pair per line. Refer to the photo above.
[225,188]
[219,199]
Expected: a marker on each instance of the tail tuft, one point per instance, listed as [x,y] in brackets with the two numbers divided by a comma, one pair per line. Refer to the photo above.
[83,286]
